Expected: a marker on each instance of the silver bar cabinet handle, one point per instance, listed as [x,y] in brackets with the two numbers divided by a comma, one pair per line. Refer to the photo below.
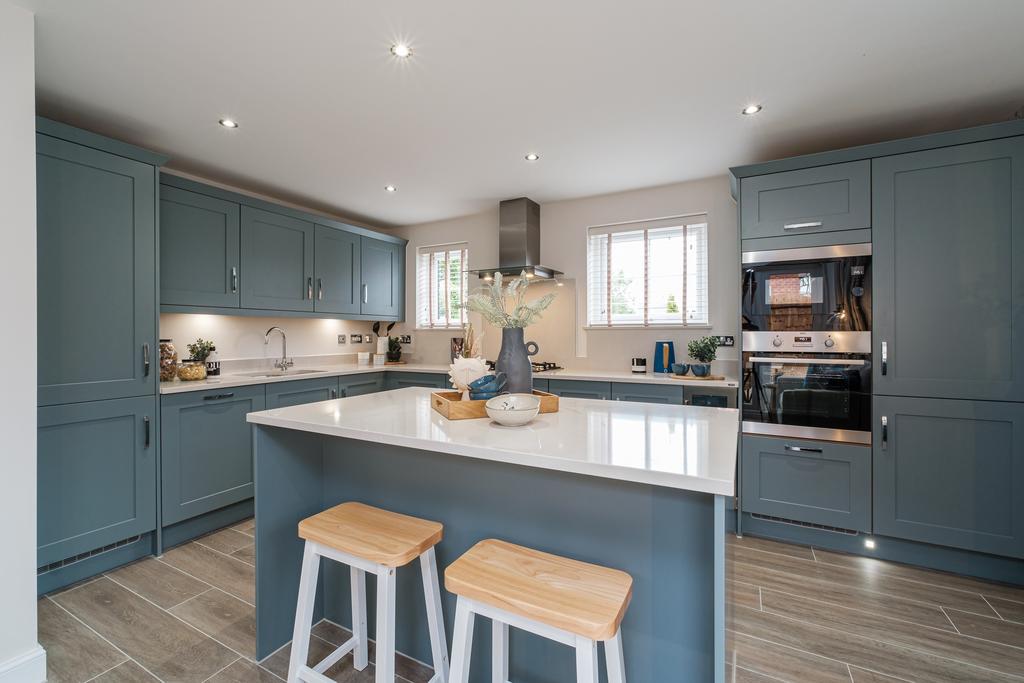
[320,288]
[885,357]
[234,279]
[885,432]
[366,294]
[145,422]
[145,359]
[309,288]
[797,226]
[334,393]
[802,449]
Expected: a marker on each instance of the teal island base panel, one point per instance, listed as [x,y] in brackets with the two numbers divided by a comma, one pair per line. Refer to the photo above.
[670,541]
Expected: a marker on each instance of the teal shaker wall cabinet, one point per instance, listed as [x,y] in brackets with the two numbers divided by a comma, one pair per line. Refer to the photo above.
[359,385]
[949,272]
[96,280]
[950,473]
[206,450]
[277,261]
[337,255]
[383,278]
[297,392]
[199,249]
[97,475]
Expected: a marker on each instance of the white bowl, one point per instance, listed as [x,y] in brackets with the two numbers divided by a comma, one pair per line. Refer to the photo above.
[513,410]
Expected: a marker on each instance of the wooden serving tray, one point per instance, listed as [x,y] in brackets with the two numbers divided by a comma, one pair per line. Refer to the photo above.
[451,405]
[708,378]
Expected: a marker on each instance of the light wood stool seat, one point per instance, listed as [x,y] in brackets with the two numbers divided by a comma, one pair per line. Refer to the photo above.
[572,602]
[368,539]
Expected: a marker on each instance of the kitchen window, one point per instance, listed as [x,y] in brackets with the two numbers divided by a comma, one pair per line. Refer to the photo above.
[441,286]
[648,274]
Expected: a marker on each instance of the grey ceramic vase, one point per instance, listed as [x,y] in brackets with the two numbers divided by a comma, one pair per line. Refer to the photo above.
[514,360]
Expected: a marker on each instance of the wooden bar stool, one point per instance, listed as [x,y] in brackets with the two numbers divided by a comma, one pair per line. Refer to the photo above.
[572,602]
[367,539]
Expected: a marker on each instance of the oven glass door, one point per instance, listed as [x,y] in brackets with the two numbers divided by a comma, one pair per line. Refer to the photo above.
[829,294]
[831,391]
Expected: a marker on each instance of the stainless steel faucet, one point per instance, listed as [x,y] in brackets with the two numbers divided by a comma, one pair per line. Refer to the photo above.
[285,361]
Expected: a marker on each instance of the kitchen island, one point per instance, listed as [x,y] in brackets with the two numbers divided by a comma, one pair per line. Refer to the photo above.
[634,486]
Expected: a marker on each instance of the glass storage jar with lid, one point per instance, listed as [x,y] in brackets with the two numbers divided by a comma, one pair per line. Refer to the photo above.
[168,360]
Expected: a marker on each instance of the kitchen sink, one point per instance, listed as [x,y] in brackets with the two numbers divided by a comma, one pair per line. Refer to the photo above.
[279,373]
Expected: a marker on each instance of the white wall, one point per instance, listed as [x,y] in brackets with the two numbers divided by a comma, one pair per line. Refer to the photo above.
[20,656]
[563,245]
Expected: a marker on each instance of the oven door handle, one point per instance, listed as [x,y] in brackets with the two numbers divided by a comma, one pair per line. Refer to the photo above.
[807,361]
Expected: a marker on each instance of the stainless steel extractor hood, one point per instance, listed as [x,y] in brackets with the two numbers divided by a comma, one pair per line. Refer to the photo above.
[519,242]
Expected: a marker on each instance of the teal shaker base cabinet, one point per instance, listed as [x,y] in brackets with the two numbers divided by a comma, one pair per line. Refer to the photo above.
[96,279]
[97,475]
[950,473]
[572,388]
[647,393]
[400,380]
[949,272]
[277,261]
[199,243]
[297,392]
[359,385]
[206,450]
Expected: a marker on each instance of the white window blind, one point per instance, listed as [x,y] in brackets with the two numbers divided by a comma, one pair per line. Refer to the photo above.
[441,286]
[648,273]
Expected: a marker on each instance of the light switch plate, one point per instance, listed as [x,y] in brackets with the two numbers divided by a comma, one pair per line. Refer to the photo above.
[341,339]
[356,338]
[405,339]
[368,339]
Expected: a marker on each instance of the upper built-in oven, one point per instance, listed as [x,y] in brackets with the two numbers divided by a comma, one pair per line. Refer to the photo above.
[813,289]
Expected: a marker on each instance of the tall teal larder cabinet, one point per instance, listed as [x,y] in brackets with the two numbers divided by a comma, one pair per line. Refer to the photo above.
[98,357]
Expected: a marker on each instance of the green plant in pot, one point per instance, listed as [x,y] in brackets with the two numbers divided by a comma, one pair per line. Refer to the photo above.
[394,350]
[200,349]
[702,350]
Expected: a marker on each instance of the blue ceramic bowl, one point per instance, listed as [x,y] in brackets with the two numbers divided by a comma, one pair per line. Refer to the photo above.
[701,369]
[680,368]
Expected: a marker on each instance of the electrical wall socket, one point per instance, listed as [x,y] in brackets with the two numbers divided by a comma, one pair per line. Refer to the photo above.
[405,339]
[341,339]
[356,338]
[726,340]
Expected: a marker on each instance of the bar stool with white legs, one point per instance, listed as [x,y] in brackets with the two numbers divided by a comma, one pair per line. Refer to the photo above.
[569,601]
[367,539]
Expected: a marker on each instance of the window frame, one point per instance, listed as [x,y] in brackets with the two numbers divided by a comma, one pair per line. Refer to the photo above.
[432,250]
[684,222]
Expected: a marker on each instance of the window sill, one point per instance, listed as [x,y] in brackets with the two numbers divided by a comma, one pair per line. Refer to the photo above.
[461,328]
[646,327]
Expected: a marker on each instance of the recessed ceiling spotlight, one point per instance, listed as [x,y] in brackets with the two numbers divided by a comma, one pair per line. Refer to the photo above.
[229,123]
[401,50]
[751,109]
[390,188]
[532,157]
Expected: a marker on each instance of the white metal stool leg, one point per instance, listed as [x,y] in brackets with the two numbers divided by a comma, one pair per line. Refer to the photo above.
[360,656]
[304,612]
[499,652]
[614,660]
[586,660]
[462,642]
[435,617]
[385,654]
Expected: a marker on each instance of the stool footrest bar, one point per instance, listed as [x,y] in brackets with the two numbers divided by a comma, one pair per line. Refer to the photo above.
[331,659]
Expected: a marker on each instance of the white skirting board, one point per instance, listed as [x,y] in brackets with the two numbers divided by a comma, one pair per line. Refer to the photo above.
[29,667]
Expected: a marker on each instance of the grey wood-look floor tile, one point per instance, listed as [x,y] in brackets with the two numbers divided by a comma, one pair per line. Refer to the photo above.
[246,527]
[950,645]
[405,668]
[246,554]
[867,653]
[897,608]
[882,568]
[129,672]
[911,590]
[226,541]
[1008,609]
[224,618]
[865,676]
[742,594]
[802,552]
[158,582]
[998,630]
[244,672]
[226,573]
[737,674]
[163,645]
[73,652]
[782,662]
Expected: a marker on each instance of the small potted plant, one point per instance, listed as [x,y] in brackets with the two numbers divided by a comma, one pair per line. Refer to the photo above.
[702,350]
[199,350]
[394,350]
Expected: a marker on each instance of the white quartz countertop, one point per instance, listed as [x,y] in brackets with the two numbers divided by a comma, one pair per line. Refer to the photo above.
[238,380]
[683,447]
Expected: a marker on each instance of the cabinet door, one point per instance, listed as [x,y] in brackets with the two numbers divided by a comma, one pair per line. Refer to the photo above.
[96,278]
[573,388]
[277,261]
[820,199]
[358,385]
[400,380]
[647,393]
[199,259]
[297,392]
[97,475]
[337,256]
[950,473]
[949,272]
[206,450]
[818,482]
[540,384]
[382,278]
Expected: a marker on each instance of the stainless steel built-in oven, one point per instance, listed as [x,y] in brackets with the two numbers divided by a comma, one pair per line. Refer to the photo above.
[807,343]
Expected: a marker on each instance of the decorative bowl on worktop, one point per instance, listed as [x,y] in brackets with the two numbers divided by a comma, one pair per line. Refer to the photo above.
[513,410]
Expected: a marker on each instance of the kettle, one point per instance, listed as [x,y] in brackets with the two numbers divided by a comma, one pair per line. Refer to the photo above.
[664,356]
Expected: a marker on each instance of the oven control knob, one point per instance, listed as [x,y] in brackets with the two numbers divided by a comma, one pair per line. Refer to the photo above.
[777,341]
[829,342]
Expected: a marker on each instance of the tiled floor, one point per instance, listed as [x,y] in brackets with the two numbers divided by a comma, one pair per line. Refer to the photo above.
[795,614]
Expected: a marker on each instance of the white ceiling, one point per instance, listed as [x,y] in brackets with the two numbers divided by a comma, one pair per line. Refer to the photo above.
[614,95]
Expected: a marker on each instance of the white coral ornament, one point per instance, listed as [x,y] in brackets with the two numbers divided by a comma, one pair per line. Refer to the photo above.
[466,370]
